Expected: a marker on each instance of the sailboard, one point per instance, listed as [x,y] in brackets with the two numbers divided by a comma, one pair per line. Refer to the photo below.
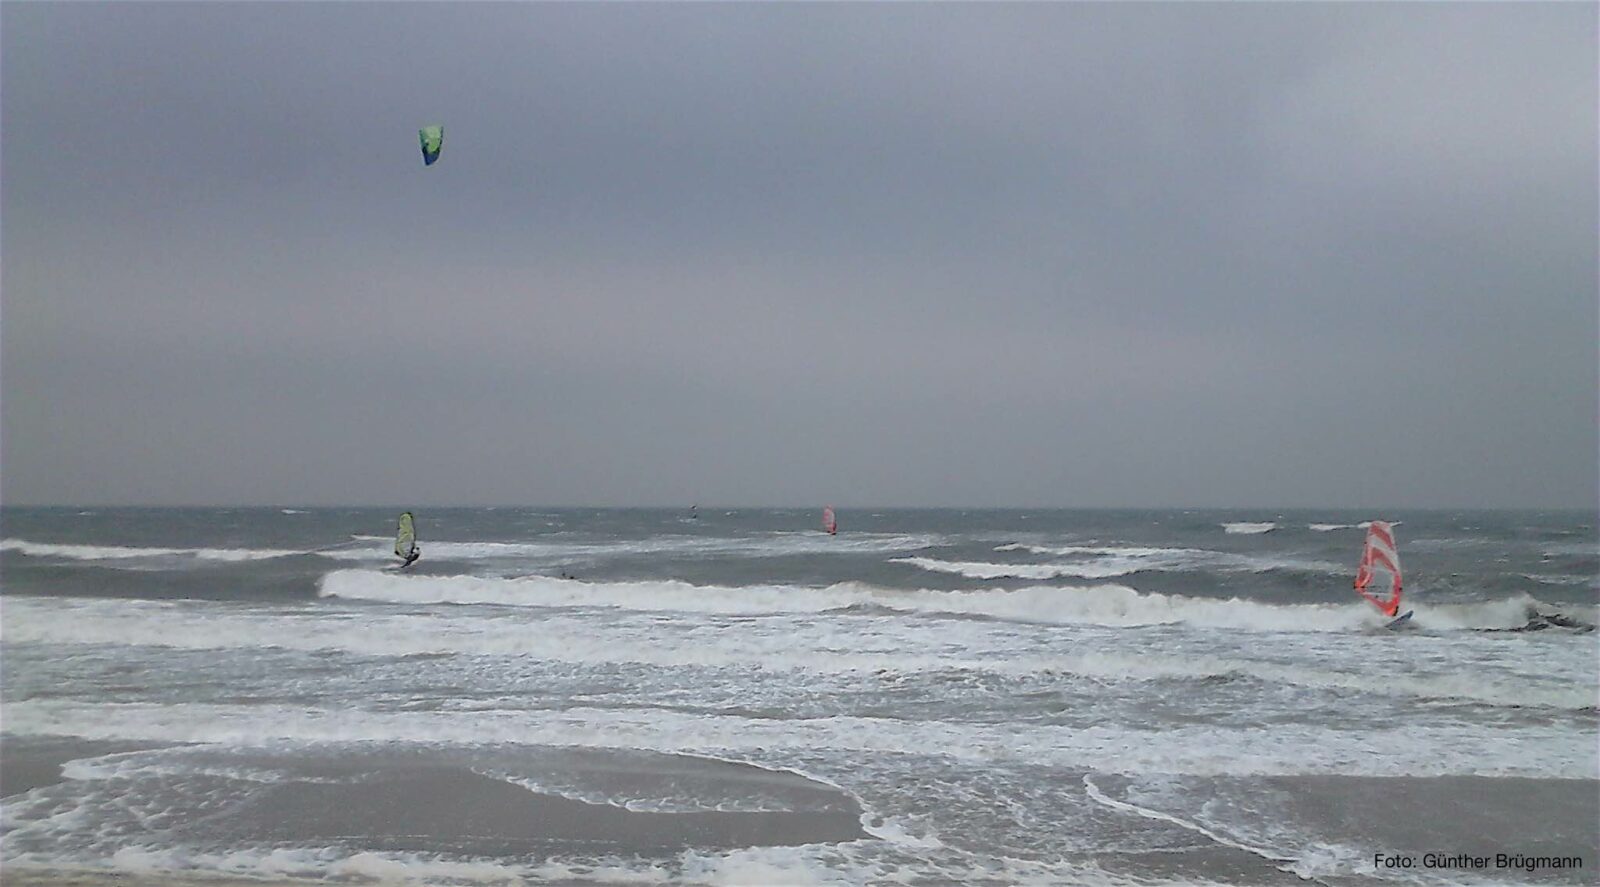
[1378,576]
[405,540]
[829,524]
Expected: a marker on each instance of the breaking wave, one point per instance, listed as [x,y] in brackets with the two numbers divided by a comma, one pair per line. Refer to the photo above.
[575,640]
[1095,562]
[1289,749]
[983,570]
[557,550]
[1106,605]
[128,552]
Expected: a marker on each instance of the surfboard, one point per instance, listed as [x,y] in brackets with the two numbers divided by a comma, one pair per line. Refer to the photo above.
[1403,621]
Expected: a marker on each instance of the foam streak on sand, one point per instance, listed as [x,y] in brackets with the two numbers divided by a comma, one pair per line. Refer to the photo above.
[1100,797]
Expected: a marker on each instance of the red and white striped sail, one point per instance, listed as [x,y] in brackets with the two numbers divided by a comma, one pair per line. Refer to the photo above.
[1379,572]
[829,525]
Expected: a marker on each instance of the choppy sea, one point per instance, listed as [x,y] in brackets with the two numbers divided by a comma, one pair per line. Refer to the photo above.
[729,695]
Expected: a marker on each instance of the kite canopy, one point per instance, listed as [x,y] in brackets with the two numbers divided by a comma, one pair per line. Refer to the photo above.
[432,138]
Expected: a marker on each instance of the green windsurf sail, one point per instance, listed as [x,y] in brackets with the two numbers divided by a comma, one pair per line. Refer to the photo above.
[405,540]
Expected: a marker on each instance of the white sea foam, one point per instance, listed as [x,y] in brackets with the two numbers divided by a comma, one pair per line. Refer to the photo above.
[812,865]
[163,762]
[128,552]
[1105,550]
[1250,528]
[551,549]
[983,570]
[644,800]
[1562,579]
[1435,749]
[1113,605]
[1100,797]
[1108,561]
[543,591]
[1394,679]
[1326,528]
[1107,605]
[883,647]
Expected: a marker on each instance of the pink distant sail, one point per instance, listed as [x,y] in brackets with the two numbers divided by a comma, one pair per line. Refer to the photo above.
[829,525]
[1380,566]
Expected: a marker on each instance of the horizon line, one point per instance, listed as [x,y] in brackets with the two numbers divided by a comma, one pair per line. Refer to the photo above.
[792,507]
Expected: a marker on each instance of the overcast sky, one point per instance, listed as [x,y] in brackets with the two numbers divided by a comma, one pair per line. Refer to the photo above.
[912,254]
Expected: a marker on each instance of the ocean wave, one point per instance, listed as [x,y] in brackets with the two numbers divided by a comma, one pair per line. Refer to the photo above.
[543,591]
[1590,548]
[1105,561]
[128,552]
[821,649]
[1359,525]
[560,550]
[543,550]
[1250,528]
[1440,749]
[1119,550]
[1479,689]
[806,865]
[984,570]
[1562,579]
[1105,605]
[680,794]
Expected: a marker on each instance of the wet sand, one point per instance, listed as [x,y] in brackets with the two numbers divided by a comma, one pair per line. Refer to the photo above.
[1447,816]
[427,803]
[30,764]
[450,809]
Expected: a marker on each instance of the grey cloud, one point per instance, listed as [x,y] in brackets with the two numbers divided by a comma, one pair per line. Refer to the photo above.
[1069,254]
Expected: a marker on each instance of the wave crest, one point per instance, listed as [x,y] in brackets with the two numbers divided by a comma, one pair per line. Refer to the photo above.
[1106,605]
